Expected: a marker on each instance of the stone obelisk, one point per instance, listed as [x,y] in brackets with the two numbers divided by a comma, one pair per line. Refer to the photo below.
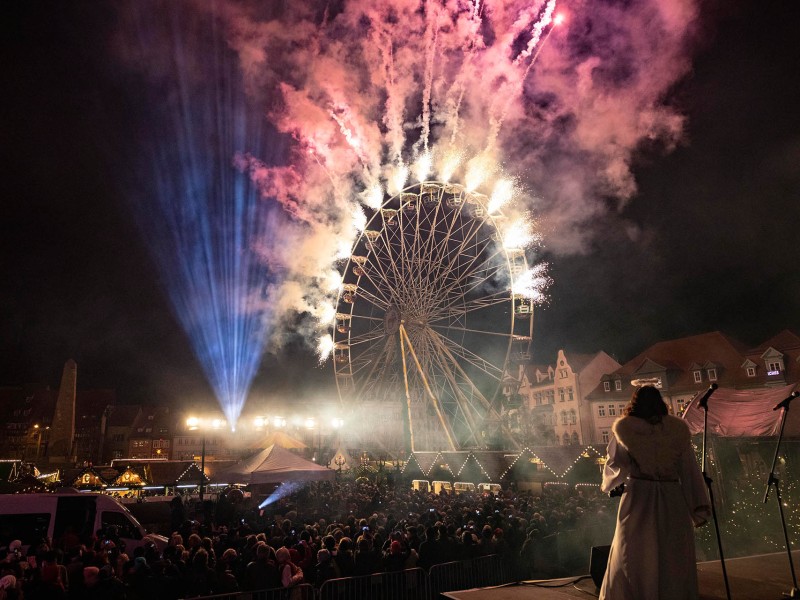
[62,432]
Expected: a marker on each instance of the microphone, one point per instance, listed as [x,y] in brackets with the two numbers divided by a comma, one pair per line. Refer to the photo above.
[785,403]
[704,400]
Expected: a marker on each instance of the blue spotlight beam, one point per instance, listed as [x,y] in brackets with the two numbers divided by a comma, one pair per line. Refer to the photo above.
[202,219]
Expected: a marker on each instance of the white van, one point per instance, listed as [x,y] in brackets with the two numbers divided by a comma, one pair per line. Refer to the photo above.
[31,517]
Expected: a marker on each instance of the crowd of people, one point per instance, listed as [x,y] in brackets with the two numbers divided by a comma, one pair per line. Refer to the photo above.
[317,533]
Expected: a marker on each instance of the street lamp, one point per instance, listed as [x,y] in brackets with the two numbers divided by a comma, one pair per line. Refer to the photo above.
[196,424]
[311,425]
[38,431]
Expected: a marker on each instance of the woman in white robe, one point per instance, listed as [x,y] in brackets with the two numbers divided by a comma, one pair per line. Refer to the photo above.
[653,556]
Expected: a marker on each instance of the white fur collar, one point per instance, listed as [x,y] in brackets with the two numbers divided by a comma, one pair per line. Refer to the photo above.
[656,449]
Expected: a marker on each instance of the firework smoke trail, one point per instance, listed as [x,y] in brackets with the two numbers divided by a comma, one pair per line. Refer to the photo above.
[352,103]
[569,133]
[536,34]
[505,100]
[430,55]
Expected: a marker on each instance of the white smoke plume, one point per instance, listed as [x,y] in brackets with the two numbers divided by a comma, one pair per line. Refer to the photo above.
[365,88]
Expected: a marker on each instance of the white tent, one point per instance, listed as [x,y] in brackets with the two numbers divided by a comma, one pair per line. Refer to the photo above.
[279,438]
[274,465]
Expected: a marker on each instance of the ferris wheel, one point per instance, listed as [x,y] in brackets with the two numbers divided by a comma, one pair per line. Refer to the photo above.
[426,321]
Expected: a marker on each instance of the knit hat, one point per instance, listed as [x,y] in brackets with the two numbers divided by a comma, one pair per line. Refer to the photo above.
[395,547]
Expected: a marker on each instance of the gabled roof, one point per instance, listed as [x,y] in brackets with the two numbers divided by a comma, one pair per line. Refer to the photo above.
[342,460]
[72,477]
[578,361]
[678,356]
[284,440]
[275,465]
[153,418]
[783,340]
[122,415]
[559,460]
[785,344]
[132,475]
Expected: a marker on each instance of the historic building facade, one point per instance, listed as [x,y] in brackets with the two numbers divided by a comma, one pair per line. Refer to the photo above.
[684,367]
[553,408]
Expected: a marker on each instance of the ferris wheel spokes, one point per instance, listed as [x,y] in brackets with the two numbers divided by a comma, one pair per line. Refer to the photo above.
[434,400]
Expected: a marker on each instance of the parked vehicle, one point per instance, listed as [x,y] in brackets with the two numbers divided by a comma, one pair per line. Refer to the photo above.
[31,517]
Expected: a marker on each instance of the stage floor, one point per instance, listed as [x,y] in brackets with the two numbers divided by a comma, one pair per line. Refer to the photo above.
[764,577]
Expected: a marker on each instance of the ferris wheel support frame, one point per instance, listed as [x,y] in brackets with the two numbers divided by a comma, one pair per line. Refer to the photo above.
[434,401]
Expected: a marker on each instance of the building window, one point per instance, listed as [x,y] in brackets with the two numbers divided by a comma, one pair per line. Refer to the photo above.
[601,410]
[537,397]
[618,385]
[712,374]
[571,394]
[751,371]
[551,396]
[698,377]
[563,417]
[612,411]
[774,366]
[604,435]
[561,395]
[621,409]
[681,402]
[575,439]
[573,418]
[607,386]
[562,373]
[566,439]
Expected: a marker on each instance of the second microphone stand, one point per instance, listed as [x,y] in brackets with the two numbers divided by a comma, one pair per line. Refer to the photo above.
[773,480]
[708,480]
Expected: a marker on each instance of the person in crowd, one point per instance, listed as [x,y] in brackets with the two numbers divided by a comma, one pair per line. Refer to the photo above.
[200,579]
[345,557]
[365,561]
[262,572]
[226,577]
[290,574]
[326,568]
[653,551]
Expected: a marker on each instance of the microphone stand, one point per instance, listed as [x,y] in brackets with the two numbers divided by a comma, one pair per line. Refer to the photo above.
[773,480]
[704,405]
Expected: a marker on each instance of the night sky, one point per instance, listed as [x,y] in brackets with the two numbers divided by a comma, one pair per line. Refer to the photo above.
[717,217]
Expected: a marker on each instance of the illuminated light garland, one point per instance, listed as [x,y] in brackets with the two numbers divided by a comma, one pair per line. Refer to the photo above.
[582,454]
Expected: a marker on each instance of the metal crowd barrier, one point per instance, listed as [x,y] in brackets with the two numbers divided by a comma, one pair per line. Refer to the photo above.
[411,584]
[304,591]
[484,571]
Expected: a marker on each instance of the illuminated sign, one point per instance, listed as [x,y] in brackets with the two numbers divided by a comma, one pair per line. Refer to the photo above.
[773,372]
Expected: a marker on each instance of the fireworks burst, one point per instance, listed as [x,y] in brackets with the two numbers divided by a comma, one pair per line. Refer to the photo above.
[371,97]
